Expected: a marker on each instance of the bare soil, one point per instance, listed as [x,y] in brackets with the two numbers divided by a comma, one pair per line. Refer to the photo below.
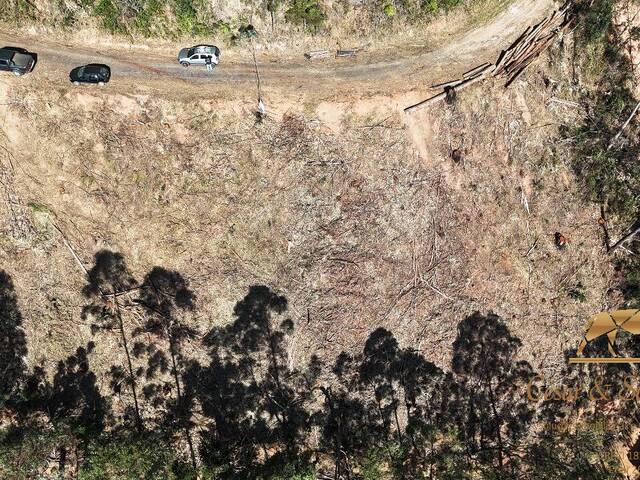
[360,216]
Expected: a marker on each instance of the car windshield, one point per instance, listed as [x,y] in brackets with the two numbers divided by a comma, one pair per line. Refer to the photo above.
[81,71]
[6,56]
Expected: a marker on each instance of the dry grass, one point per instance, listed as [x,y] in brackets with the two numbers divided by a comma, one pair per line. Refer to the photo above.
[376,37]
[516,189]
[351,224]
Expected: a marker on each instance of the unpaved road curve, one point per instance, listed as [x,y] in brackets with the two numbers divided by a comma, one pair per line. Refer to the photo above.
[398,74]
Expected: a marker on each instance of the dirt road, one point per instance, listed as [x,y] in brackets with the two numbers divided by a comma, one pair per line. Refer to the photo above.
[371,74]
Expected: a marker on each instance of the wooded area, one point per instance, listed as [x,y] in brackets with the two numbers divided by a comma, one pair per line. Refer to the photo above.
[247,412]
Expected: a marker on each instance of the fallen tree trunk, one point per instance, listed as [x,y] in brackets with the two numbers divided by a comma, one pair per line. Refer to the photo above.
[425,103]
[317,54]
[624,239]
[347,53]
[513,60]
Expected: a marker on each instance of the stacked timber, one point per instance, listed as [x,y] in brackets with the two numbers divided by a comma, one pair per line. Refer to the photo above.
[512,61]
[347,53]
[317,54]
[322,54]
[531,43]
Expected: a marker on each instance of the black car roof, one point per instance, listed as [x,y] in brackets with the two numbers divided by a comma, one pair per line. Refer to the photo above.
[95,68]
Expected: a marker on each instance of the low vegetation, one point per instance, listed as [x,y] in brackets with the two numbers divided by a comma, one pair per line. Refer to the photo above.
[606,143]
[171,18]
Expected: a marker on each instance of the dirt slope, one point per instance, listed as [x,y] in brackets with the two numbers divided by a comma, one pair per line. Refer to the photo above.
[353,223]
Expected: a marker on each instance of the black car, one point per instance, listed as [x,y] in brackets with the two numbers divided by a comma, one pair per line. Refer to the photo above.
[17,60]
[92,73]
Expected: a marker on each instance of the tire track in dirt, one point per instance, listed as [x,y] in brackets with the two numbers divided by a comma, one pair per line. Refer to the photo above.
[401,73]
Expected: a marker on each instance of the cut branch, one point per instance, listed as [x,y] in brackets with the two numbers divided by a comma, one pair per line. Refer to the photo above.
[633,114]
[68,245]
[626,238]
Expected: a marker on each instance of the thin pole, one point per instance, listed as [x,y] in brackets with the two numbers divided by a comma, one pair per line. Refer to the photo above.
[255,64]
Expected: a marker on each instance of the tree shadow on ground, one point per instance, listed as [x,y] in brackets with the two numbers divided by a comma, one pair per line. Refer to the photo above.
[159,301]
[13,342]
[165,296]
[383,409]
[257,403]
[387,403]
[108,282]
[491,409]
[74,398]
[75,410]
[109,275]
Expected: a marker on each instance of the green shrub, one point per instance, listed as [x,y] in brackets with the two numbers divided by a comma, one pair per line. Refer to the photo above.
[587,451]
[578,292]
[128,458]
[371,465]
[186,13]
[148,17]
[434,6]
[449,4]
[223,28]
[307,13]
[595,19]
[630,286]
[109,15]
[193,17]
[608,170]
[295,472]
[389,10]
[605,156]
[430,6]
[24,452]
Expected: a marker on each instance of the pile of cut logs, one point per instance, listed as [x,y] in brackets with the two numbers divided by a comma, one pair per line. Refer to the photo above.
[322,54]
[512,61]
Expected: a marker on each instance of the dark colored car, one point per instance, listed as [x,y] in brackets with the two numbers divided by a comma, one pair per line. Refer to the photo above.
[17,60]
[92,73]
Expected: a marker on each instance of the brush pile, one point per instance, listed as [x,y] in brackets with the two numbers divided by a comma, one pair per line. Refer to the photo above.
[512,61]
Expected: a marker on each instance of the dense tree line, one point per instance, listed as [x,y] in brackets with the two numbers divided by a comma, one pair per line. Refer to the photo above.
[243,411]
